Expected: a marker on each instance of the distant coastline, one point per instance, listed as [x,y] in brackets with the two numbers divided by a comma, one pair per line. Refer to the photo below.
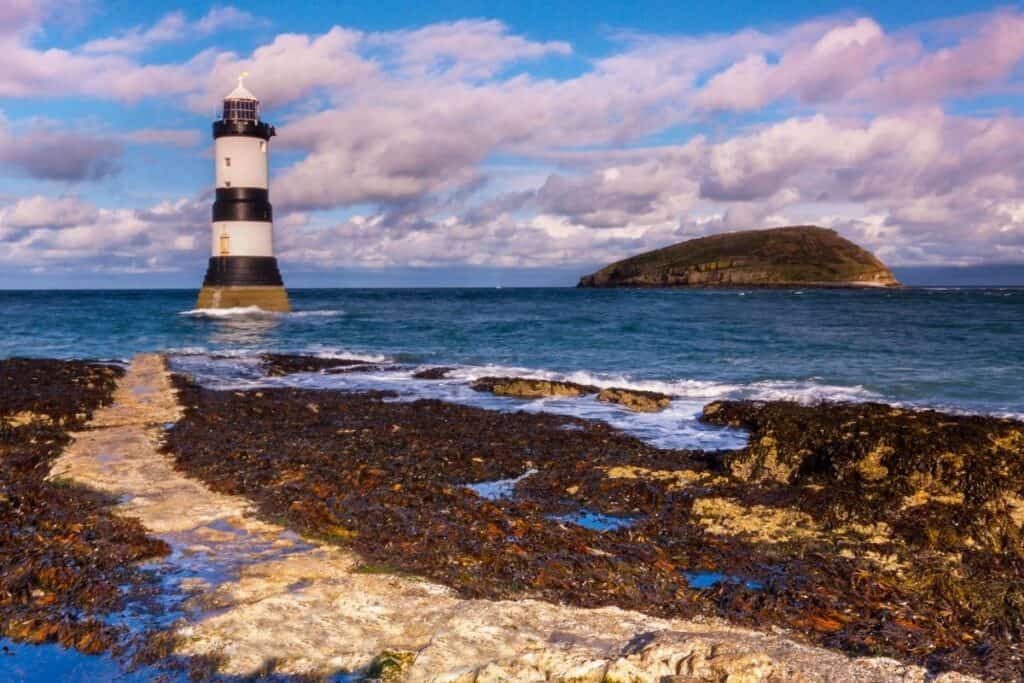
[987,275]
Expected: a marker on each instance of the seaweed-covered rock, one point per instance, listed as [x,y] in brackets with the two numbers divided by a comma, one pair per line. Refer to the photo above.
[523,387]
[279,364]
[63,555]
[852,546]
[876,445]
[440,372]
[635,400]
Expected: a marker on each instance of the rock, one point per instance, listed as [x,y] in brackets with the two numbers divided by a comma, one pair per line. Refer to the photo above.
[279,364]
[391,666]
[522,387]
[800,256]
[805,531]
[638,401]
[432,373]
[64,552]
[28,417]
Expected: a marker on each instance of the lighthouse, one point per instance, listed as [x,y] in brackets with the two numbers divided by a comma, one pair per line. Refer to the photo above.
[243,269]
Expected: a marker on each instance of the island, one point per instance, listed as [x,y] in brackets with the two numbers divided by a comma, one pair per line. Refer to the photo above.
[796,256]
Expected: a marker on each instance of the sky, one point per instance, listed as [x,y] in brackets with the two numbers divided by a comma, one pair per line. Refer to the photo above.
[522,143]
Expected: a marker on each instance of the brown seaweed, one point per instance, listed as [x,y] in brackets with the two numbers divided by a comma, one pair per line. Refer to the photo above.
[832,550]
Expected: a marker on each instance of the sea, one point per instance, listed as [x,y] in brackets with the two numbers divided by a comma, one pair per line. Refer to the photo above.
[954,349]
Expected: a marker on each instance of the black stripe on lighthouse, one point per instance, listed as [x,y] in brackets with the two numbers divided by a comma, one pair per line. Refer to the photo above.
[242,271]
[242,204]
[248,129]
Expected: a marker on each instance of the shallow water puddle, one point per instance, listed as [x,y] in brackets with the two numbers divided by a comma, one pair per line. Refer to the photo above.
[51,662]
[499,488]
[702,579]
[595,521]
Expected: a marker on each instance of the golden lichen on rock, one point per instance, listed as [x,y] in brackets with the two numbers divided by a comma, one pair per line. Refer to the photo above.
[675,480]
[804,256]
[531,388]
[637,401]
[391,666]
[527,387]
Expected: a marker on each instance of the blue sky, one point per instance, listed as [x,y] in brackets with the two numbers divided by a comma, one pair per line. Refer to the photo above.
[470,142]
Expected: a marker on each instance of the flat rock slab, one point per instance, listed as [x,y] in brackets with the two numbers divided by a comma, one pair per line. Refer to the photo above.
[257,592]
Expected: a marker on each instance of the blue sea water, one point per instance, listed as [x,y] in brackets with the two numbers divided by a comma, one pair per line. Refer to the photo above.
[955,349]
[959,349]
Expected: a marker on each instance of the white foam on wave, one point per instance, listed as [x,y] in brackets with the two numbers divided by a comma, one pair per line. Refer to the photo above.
[334,353]
[684,388]
[237,312]
[675,427]
[186,351]
[324,313]
[678,426]
[257,312]
[807,392]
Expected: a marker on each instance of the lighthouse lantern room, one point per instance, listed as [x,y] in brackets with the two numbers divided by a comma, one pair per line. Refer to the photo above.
[243,269]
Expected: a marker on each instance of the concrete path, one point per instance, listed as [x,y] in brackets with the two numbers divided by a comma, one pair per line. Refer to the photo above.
[256,592]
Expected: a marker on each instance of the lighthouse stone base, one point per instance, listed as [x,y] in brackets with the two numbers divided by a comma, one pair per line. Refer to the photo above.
[273,298]
[242,282]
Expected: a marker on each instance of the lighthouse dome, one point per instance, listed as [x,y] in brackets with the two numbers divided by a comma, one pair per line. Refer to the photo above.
[240,104]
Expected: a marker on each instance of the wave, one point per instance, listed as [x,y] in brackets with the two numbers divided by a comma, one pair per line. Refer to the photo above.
[324,313]
[334,353]
[807,392]
[257,312]
[682,388]
[678,426]
[238,312]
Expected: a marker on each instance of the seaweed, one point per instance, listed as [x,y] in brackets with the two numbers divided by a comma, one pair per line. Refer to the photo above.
[64,558]
[829,546]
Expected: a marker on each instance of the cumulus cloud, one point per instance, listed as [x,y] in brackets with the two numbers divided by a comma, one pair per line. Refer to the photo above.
[172,27]
[938,182]
[409,130]
[162,136]
[859,62]
[51,152]
[41,232]
[462,49]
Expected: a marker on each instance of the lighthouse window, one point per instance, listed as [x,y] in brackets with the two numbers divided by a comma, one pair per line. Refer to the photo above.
[240,110]
[227,161]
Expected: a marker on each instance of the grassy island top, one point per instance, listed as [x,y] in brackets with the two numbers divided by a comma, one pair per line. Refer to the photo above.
[803,255]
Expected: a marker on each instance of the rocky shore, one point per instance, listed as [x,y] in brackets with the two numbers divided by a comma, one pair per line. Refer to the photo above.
[846,542]
[864,528]
[65,559]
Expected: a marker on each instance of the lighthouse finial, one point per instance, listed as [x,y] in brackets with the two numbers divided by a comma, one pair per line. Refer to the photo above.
[241,77]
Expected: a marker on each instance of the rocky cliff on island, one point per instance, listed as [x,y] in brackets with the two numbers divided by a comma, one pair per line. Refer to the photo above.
[802,256]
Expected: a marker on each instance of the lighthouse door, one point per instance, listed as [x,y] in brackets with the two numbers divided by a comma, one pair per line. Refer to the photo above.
[225,240]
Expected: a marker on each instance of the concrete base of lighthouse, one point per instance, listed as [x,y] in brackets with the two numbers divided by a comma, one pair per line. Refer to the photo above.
[243,281]
[268,298]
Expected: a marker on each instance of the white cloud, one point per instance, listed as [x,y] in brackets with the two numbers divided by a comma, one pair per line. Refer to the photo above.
[171,27]
[405,126]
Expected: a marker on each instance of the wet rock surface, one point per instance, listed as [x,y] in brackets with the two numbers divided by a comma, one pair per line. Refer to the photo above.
[280,364]
[935,495]
[525,387]
[64,558]
[531,388]
[817,556]
[638,401]
[263,604]
[440,372]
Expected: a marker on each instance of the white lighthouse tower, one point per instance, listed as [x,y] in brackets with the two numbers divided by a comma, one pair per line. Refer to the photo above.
[243,270]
